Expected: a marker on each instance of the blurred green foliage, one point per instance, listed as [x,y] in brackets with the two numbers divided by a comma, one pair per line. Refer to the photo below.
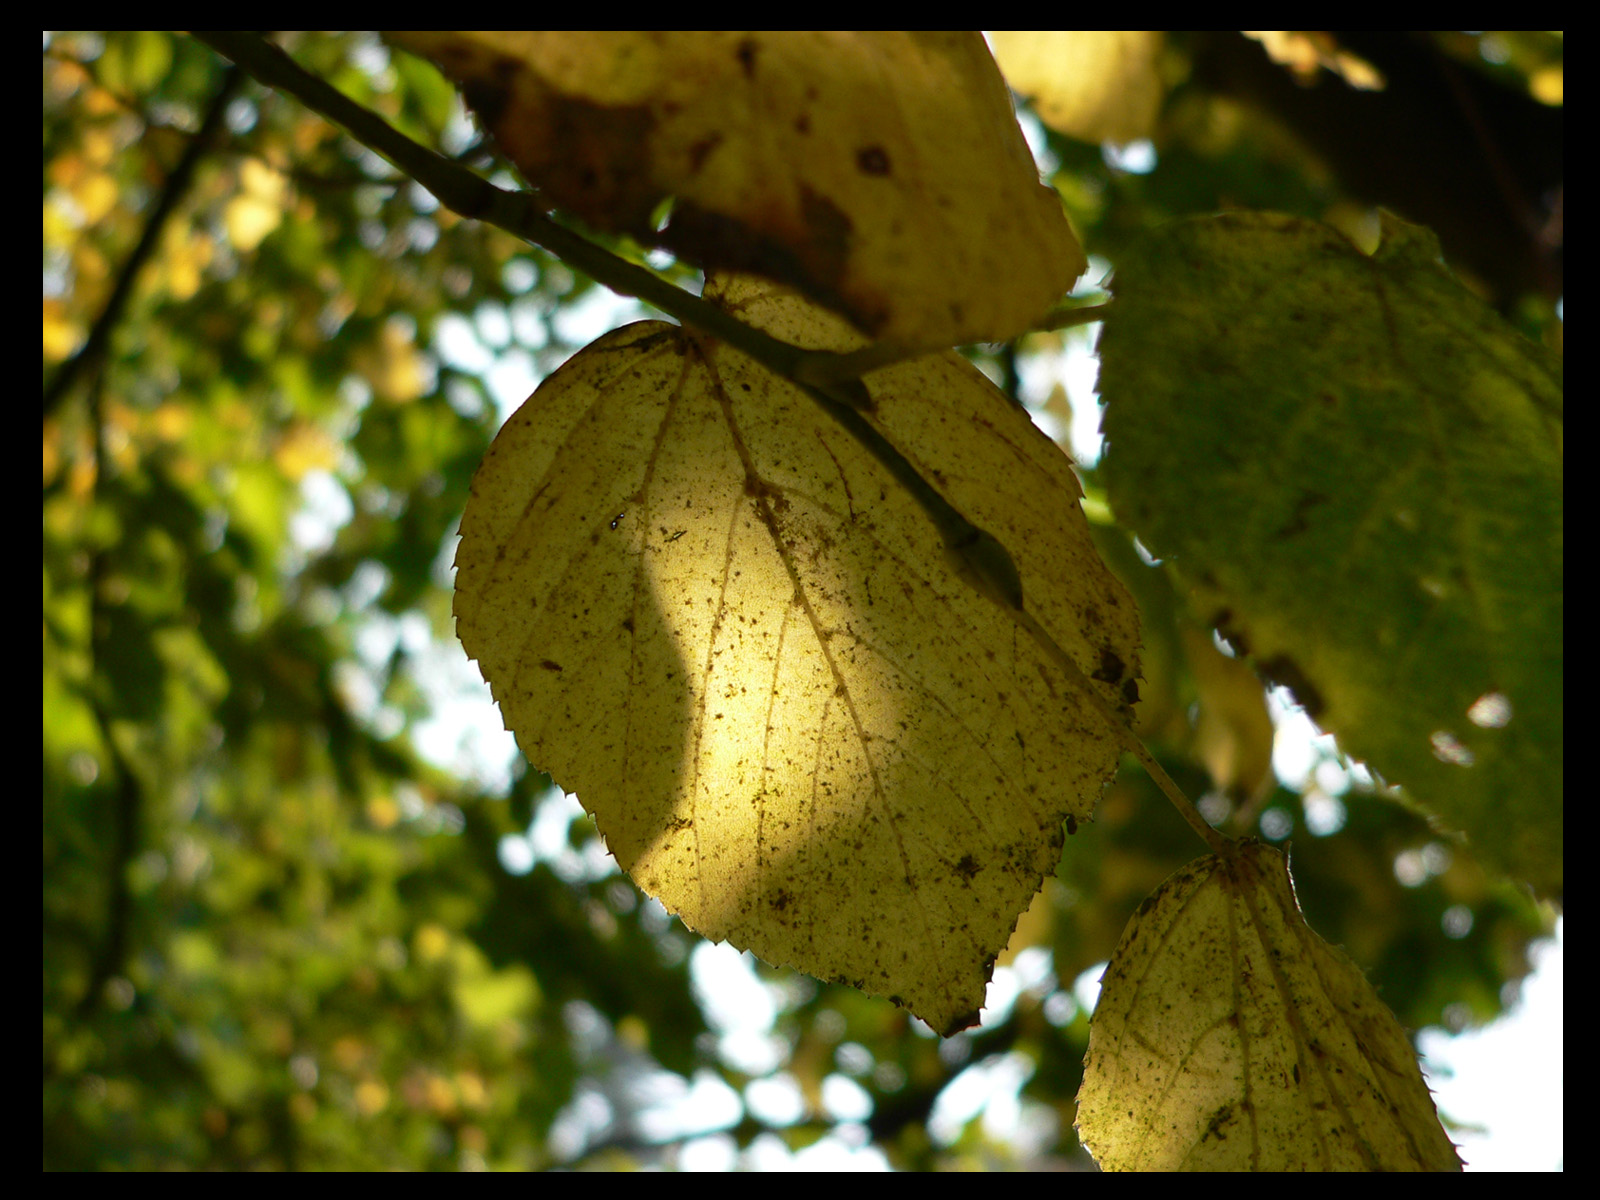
[278,936]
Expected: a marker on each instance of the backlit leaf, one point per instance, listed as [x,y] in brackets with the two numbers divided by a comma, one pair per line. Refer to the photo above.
[1233,733]
[1229,1037]
[1097,85]
[708,612]
[881,172]
[1359,466]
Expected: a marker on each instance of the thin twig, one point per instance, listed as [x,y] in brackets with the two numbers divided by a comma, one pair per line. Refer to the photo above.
[1069,318]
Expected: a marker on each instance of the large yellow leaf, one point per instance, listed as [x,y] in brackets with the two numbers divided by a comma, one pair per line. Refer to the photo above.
[1230,1037]
[882,172]
[705,609]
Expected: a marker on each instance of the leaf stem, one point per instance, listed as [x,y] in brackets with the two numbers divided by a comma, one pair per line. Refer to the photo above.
[1068,317]
[1219,842]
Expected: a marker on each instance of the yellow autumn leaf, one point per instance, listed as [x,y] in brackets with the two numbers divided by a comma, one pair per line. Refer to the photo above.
[96,193]
[258,208]
[705,609]
[1306,52]
[1229,1036]
[305,447]
[186,252]
[881,172]
[62,334]
[1097,85]
[1233,733]
[394,366]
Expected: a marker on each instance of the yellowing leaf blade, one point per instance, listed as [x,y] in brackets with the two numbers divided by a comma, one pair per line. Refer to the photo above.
[1229,1036]
[881,172]
[709,613]
[1097,85]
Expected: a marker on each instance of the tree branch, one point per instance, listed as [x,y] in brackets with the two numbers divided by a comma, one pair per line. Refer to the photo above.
[172,194]
[831,380]
[464,192]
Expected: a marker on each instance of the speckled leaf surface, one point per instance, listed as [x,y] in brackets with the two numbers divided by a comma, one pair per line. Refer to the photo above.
[1358,466]
[708,612]
[1229,1037]
[882,172]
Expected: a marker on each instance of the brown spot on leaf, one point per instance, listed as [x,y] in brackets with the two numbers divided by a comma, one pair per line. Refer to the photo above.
[828,233]
[745,52]
[700,150]
[873,160]
[1219,1123]
[1299,520]
[549,666]
[812,254]
[584,157]
[1111,668]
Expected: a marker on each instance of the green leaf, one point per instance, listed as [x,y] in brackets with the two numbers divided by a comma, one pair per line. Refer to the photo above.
[1229,1037]
[1358,466]
[708,611]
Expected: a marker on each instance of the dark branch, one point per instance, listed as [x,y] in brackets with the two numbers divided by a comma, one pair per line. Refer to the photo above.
[464,192]
[177,187]
[831,380]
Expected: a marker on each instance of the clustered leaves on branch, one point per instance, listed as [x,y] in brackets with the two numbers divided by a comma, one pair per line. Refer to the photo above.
[807,613]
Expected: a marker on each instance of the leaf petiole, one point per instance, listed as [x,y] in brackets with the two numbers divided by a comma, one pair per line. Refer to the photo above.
[1219,842]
